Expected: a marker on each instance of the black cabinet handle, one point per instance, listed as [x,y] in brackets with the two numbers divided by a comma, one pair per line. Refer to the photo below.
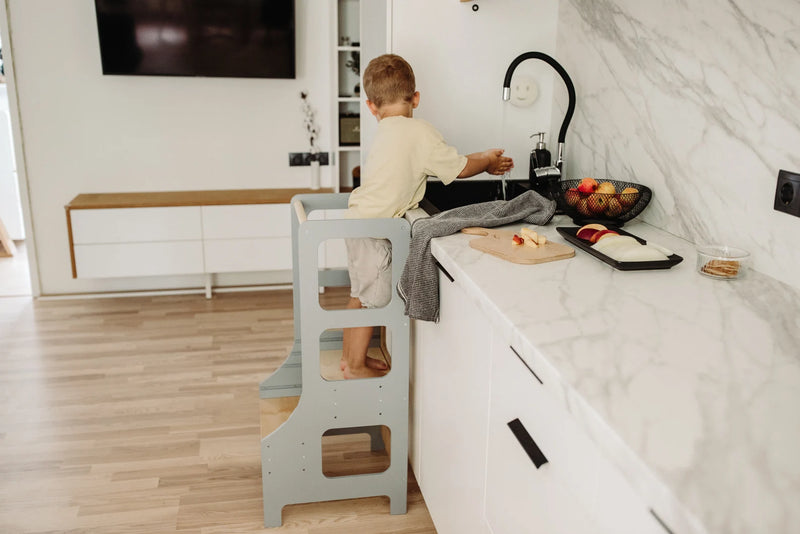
[525,439]
[526,364]
[444,271]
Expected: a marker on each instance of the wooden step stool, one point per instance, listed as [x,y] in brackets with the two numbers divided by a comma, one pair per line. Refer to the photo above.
[300,406]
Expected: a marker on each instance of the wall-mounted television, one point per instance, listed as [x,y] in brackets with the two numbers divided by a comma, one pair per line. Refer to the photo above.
[226,38]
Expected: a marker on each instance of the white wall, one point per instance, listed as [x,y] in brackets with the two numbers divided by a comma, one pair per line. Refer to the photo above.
[700,102]
[84,132]
[460,57]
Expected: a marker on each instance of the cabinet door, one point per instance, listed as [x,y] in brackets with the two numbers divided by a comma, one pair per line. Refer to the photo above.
[135,225]
[246,221]
[452,379]
[577,490]
[243,255]
[521,495]
[139,259]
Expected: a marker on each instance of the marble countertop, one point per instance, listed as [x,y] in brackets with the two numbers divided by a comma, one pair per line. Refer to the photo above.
[690,385]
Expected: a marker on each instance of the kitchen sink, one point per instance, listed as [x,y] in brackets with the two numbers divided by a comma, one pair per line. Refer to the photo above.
[439,197]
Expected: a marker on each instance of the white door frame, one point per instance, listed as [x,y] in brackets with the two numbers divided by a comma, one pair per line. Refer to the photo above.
[19,147]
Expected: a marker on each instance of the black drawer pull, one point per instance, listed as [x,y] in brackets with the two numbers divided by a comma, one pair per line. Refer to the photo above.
[444,271]
[525,439]
[525,364]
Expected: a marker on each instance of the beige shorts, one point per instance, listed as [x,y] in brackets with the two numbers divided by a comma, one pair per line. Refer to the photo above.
[369,262]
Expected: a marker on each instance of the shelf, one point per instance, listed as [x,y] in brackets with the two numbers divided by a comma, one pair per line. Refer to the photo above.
[349,99]
[348,48]
[349,148]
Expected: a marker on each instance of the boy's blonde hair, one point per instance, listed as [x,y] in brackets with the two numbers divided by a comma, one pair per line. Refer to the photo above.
[389,79]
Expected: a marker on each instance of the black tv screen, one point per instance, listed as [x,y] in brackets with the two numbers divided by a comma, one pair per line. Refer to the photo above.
[228,38]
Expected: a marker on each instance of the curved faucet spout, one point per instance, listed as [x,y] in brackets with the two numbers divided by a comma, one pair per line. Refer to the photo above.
[562,135]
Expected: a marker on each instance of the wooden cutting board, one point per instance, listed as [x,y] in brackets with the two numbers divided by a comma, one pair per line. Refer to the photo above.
[498,243]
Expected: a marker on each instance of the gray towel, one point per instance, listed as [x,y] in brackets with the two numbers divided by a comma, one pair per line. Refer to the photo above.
[419,283]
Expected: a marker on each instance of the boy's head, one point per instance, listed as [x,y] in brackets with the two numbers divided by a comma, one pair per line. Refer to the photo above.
[389,79]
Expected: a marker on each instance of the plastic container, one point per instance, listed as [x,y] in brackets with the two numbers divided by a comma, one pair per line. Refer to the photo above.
[721,261]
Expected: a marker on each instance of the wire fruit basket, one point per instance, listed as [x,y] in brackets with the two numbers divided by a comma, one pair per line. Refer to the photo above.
[616,206]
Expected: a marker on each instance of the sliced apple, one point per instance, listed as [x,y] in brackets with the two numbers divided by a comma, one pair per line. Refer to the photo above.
[600,234]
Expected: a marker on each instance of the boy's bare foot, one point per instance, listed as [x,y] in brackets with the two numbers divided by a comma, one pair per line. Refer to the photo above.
[363,372]
[372,363]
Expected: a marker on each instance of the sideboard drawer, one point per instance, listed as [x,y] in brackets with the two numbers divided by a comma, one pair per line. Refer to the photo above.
[242,255]
[259,220]
[139,259]
[136,225]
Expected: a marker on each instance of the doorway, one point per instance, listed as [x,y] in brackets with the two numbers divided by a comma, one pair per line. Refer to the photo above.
[14,265]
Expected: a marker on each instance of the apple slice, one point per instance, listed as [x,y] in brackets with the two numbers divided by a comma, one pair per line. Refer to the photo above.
[600,234]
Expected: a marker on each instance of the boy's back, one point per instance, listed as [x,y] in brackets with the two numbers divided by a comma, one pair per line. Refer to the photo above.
[404,153]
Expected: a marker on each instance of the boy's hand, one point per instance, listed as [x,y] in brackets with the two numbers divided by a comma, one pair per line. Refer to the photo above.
[491,161]
[497,163]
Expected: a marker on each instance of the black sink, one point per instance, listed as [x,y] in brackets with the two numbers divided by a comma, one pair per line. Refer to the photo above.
[439,197]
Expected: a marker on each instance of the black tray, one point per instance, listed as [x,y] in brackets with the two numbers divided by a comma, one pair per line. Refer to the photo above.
[568,232]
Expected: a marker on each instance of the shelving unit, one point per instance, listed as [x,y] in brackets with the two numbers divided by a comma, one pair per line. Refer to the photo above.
[347,33]
[360,27]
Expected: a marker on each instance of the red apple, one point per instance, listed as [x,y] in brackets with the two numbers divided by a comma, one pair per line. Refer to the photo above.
[572,196]
[583,207]
[628,197]
[597,203]
[614,208]
[587,185]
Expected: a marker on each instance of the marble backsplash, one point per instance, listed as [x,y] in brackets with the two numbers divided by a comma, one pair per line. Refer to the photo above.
[698,100]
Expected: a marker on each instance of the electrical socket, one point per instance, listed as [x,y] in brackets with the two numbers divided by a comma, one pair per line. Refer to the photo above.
[787,193]
[301,159]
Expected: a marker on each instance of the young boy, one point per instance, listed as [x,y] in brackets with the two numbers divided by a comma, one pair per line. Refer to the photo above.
[404,153]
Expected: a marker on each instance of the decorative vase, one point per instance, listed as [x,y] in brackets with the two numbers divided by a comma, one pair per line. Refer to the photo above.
[314,174]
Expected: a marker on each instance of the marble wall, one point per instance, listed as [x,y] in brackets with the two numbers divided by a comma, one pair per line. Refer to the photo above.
[698,100]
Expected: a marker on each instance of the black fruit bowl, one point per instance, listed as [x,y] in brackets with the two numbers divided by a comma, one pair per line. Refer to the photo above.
[606,208]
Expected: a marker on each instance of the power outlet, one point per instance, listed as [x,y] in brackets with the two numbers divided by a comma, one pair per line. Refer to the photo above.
[787,193]
[300,159]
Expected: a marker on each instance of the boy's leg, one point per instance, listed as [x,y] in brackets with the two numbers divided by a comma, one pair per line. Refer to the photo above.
[355,343]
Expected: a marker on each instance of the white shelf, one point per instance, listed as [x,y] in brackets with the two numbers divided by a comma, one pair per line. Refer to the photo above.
[348,48]
[349,99]
[348,148]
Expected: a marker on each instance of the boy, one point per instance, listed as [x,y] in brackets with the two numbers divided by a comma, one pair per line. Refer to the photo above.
[404,153]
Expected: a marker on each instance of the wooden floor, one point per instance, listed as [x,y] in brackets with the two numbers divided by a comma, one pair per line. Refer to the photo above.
[141,415]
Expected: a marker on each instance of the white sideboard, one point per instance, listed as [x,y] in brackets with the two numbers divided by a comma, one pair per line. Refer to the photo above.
[180,232]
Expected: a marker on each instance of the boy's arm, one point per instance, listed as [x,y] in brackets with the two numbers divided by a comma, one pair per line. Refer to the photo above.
[491,161]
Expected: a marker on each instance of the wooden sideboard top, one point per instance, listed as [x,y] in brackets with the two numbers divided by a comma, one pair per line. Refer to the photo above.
[187,198]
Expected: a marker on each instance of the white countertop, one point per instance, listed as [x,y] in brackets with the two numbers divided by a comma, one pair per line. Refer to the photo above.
[690,385]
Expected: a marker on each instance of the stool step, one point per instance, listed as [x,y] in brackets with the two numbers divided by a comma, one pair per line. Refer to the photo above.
[287,380]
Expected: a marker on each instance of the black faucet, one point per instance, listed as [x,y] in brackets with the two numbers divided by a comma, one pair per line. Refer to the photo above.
[570,108]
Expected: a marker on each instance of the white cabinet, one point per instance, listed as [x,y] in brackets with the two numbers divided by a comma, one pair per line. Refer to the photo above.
[135,225]
[246,238]
[526,490]
[481,421]
[180,232]
[451,389]
[137,242]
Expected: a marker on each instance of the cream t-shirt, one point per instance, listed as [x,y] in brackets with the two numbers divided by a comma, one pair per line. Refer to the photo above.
[404,153]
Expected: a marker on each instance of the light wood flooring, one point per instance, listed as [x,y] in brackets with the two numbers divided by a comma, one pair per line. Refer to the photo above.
[141,415]
[15,280]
